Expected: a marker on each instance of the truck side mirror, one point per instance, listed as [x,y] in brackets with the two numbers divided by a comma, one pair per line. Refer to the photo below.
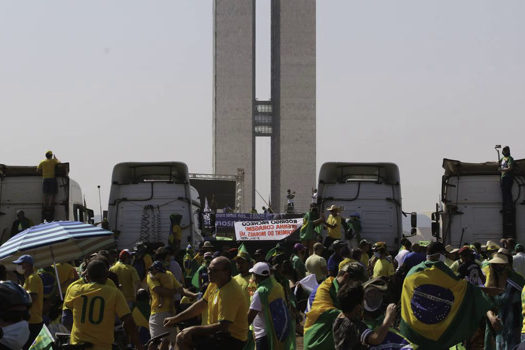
[413,220]
[435,229]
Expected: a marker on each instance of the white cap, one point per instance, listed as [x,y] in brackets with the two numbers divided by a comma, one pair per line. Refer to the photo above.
[261,269]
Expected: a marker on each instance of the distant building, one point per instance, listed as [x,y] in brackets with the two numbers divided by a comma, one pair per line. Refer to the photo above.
[289,118]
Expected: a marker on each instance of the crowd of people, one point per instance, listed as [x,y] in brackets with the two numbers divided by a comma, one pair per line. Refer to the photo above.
[329,289]
[334,294]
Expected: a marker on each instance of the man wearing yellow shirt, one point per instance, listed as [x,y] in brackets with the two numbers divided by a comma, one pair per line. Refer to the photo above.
[333,226]
[227,325]
[127,276]
[244,277]
[163,286]
[382,266]
[364,245]
[95,305]
[67,274]
[49,183]
[34,286]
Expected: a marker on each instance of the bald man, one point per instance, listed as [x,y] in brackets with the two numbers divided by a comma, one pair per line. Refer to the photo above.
[227,325]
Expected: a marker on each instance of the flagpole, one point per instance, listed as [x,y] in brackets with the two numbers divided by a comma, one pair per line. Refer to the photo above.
[56,273]
[100,203]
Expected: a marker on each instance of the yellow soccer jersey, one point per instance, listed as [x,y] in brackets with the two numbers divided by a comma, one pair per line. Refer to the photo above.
[81,281]
[47,166]
[127,277]
[33,284]
[94,308]
[228,304]
[165,280]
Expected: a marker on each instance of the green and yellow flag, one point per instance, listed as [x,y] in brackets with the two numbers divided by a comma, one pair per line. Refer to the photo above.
[43,341]
[242,252]
[321,317]
[438,309]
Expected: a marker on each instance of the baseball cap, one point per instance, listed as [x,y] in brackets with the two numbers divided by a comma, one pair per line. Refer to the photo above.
[157,265]
[124,253]
[355,270]
[24,259]
[208,255]
[298,247]
[378,246]
[260,269]
[465,250]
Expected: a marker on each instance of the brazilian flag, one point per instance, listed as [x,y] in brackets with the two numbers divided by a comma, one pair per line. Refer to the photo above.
[438,309]
[319,320]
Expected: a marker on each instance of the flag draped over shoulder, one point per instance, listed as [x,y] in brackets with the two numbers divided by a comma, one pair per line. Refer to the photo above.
[320,318]
[438,309]
[279,324]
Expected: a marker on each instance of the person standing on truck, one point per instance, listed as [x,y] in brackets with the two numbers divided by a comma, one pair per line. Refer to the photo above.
[290,201]
[21,223]
[49,184]
[506,168]
[311,227]
[333,225]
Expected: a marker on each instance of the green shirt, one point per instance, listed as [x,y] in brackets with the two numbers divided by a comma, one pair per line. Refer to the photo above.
[308,231]
[298,266]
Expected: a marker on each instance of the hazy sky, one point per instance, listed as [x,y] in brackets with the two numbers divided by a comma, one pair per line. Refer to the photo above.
[410,82]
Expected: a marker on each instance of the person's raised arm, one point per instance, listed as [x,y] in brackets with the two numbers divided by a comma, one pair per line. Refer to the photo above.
[379,334]
[164,292]
[193,311]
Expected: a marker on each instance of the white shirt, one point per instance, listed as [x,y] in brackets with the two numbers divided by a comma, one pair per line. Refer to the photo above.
[518,263]
[258,322]
[177,272]
[400,257]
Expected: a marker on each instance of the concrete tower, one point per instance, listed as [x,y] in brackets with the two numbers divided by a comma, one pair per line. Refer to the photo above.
[289,118]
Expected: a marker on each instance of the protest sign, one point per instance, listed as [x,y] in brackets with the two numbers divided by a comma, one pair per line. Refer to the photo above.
[266,229]
[224,223]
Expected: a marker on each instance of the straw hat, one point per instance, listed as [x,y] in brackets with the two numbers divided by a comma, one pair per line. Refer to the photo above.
[333,207]
[499,258]
[492,246]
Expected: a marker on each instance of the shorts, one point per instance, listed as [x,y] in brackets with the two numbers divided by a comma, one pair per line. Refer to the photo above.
[156,326]
[50,186]
[218,341]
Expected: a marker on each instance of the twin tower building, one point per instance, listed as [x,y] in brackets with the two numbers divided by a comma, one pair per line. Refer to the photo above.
[288,118]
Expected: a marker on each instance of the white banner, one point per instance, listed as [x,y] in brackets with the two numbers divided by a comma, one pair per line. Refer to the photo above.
[266,230]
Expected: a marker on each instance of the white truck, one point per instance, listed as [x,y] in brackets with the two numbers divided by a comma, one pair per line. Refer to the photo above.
[371,190]
[471,203]
[21,189]
[143,197]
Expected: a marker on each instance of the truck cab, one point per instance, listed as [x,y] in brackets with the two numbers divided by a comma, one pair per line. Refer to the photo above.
[471,203]
[370,190]
[143,196]
[21,189]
